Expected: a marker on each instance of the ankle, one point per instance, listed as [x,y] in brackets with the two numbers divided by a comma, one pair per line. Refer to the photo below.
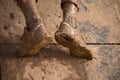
[69,13]
[33,19]
[69,9]
[34,23]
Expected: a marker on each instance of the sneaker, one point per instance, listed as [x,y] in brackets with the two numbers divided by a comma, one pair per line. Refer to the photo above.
[71,38]
[34,38]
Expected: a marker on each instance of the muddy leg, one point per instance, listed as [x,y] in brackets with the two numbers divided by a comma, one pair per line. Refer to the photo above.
[67,34]
[35,35]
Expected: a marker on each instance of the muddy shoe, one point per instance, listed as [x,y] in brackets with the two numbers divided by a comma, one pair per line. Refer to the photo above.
[34,38]
[71,38]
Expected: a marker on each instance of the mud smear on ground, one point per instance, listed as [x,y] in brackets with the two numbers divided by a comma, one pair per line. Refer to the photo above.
[52,63]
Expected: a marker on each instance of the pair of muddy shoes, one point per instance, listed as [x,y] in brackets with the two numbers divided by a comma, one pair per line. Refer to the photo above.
[35,37]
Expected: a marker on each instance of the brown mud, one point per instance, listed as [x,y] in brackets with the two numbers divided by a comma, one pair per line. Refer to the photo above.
[98,21]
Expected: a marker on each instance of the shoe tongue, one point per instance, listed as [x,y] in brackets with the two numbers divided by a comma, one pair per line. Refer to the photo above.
[73,23]
[33,24]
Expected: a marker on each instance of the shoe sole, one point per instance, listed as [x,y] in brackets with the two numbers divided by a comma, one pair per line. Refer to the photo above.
[75,48]
[34,48]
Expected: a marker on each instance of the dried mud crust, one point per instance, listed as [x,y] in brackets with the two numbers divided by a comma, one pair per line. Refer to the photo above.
[33,49]
[34,38]
[75,43]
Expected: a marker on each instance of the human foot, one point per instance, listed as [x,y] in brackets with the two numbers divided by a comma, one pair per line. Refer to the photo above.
[34,38]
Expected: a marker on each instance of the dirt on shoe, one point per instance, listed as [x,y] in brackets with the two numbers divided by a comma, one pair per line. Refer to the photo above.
[71,38]
[34,38]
